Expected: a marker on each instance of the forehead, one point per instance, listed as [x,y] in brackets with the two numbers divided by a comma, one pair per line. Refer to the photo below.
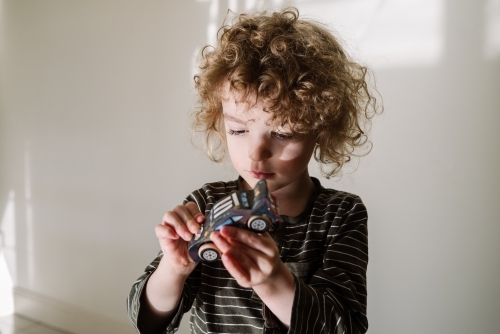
[237,104]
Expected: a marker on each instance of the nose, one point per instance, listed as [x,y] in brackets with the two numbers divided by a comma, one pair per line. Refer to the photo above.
[259,148]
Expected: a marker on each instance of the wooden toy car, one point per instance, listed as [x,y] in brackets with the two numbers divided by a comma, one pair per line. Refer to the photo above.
[255,210]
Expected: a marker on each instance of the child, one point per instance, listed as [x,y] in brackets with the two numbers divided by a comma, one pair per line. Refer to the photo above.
[275,91]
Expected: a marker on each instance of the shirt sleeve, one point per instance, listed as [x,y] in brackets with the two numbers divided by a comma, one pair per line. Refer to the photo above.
[187,298]
[332,298]
[134,297]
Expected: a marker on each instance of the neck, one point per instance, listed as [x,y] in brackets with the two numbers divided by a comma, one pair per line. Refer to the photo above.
[293,200]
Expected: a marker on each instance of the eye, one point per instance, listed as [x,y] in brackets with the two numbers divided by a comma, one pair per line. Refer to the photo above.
[236,132]
[283,136]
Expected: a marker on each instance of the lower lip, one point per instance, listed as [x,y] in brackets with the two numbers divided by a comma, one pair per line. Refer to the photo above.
[261,175]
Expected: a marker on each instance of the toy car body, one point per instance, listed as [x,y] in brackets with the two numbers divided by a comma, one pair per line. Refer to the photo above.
[255,210]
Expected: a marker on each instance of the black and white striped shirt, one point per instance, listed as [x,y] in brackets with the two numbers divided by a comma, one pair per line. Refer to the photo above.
[326,249]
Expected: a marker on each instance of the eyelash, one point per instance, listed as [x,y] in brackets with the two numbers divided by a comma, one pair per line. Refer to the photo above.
[277,135]
[282,136]
[237,132]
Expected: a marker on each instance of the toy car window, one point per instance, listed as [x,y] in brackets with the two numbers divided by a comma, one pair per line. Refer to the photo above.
[244,199]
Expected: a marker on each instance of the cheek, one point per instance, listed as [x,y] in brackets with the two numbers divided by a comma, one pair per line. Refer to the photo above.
[235,150]
[232,145]
[291,153]
[297,153]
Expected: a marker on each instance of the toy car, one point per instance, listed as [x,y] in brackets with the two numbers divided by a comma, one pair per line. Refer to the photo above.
[255,210]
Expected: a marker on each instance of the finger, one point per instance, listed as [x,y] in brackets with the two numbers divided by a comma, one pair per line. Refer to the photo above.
[177,222]
[249,262]
[237,266]
[257,251]
[225,245]
[168,239]
[262,242]
[195,212]
[248,265]
[185,212]
[165,232]
[174,249]
[246,272]
[241,252]
[254,257]
[222,244]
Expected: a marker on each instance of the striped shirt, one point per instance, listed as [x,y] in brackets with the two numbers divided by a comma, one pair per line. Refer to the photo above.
[325,248]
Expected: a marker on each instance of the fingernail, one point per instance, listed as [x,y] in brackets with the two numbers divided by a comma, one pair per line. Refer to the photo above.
[187,236]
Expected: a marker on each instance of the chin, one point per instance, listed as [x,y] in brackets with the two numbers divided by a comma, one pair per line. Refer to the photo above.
[272,185]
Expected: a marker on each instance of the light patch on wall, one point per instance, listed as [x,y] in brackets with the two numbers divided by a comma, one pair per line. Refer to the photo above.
[233,5]
[7,256]
[385,33]
[492,29]
[212,17]
[251,5]
[229,13]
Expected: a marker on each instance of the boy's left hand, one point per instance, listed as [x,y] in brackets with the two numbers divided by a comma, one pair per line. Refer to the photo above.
[251,258]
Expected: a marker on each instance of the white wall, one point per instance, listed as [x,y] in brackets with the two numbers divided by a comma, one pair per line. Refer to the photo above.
[94,148]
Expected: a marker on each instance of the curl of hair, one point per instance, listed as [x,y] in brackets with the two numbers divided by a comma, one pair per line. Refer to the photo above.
[301,73]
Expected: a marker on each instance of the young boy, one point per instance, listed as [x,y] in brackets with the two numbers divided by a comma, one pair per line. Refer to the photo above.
[275,91]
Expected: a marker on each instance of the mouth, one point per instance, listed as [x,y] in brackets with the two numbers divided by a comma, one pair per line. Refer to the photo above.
[260,174]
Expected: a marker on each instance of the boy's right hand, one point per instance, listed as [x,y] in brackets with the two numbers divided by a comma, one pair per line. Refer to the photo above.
[174,233]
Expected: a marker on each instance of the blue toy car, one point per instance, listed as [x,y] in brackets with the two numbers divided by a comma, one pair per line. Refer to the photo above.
[255,210]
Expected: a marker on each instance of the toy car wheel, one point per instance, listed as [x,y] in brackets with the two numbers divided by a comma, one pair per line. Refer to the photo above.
[208,252]
[258,223]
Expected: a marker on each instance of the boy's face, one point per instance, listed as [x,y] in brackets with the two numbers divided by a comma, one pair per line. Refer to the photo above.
[260,150]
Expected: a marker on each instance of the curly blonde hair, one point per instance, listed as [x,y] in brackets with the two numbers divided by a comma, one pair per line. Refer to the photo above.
[301,73]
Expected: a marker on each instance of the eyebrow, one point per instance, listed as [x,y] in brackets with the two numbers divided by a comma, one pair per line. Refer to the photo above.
[235,119]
